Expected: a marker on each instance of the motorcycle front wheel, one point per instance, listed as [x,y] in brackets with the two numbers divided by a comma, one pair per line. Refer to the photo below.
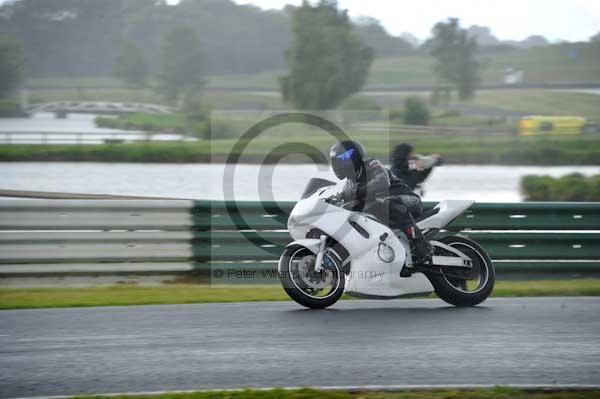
[305,286]
[464,287]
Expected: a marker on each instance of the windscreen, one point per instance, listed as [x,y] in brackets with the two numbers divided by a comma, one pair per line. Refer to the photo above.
[314,184]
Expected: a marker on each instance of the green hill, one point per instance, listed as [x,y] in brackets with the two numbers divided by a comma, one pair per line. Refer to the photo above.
[563,63]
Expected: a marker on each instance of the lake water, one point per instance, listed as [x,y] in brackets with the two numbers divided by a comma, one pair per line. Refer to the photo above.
[253,182]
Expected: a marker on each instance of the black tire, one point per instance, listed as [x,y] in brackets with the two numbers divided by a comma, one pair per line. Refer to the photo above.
[298,295]
[447,287]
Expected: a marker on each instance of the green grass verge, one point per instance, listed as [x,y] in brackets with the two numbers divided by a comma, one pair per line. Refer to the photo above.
[499,150]
[217,99]
[111,94]
[138,152]
[124,295]
[69,82]
[495,393]
[499,124]
[11,108]
[542,102]
[532,102]
[146,122]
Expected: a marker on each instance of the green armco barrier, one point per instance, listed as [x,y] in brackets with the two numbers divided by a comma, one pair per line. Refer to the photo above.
[549,237]
[481,216]
[107,236]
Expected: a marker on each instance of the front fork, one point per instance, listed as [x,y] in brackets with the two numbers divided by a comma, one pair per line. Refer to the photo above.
[320,254]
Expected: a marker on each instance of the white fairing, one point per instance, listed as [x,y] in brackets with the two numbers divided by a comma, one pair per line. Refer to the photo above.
[369,276]
[449,210]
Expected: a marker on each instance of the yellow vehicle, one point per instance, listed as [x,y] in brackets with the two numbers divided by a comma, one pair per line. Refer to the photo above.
[538,125]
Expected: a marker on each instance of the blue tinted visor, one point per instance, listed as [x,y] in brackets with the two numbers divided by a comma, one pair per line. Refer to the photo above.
[346,157]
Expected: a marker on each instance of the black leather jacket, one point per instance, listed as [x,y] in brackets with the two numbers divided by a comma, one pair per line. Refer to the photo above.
[374,183]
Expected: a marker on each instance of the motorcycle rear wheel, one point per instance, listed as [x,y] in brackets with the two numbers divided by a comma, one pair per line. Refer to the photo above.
[464,288]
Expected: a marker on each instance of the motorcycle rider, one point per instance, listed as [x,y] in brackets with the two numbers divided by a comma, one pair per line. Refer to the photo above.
[412,169]
[372,188]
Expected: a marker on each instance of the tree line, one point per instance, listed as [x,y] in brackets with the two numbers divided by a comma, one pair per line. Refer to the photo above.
[83,38]
[328,58]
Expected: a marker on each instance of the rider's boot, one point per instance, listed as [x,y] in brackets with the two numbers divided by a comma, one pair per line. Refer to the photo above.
[420,248]
[403,220]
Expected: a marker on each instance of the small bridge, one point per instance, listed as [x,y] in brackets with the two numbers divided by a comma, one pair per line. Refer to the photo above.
[62,108]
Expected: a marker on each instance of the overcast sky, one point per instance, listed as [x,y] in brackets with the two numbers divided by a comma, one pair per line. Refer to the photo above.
[509,19]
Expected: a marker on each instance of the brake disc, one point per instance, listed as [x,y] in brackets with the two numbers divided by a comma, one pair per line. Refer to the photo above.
[306,267]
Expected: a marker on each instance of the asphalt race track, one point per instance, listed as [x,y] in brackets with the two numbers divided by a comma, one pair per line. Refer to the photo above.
[356,343]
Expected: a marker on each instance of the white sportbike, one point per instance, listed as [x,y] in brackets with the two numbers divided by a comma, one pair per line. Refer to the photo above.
[339,251]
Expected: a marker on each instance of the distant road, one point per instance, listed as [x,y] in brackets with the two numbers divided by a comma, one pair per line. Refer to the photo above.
[584,91]
[583,87]
[356,343]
